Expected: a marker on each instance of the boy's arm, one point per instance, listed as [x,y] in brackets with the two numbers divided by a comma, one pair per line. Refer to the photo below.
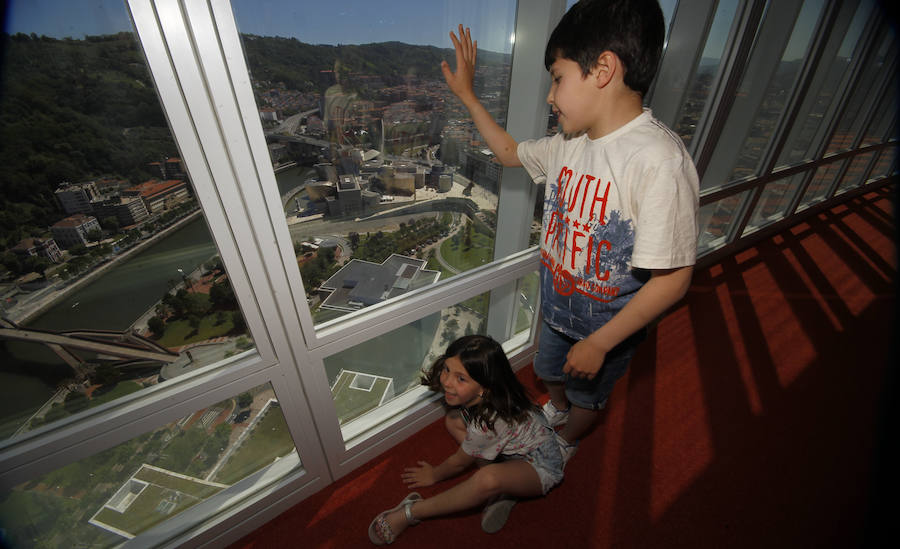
[664,288]
[500,142]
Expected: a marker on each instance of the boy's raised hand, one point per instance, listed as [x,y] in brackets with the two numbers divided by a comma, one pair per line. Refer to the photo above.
[460,82]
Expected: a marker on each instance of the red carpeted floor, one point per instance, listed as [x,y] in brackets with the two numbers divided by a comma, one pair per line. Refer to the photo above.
[748,419]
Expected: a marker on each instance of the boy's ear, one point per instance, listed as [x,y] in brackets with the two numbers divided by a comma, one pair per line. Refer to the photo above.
[605,68]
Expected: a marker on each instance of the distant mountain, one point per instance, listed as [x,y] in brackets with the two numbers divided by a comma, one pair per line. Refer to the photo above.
[299,65]
[74,110]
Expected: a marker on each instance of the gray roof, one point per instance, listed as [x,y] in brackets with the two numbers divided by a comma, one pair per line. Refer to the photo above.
[362,283]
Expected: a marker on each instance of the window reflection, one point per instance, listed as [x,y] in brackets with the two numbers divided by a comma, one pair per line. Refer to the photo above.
[109,279]
[856,172]
[716,220]
[386,184]
[774,203]
[819,187]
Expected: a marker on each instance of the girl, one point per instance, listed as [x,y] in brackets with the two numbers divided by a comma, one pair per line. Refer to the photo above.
[496,425]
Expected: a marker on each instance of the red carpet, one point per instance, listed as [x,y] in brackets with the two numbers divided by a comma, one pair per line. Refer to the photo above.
[748,419]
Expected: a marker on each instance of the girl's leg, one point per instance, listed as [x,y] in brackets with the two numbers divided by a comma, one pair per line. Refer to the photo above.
[515,478]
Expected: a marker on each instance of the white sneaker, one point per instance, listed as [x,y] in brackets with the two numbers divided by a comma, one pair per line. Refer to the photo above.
[495,514]
[555,416]
[566,449]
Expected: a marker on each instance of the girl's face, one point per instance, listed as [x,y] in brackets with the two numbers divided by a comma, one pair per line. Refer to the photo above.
[459,388]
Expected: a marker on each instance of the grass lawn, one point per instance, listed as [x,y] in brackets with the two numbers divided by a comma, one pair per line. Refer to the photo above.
[480,253]
[270,439]
[179,332]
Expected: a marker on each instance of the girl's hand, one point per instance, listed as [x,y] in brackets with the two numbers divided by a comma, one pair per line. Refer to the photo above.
[460,82]
[423,475]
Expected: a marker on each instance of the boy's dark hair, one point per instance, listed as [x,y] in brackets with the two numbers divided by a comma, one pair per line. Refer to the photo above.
[483,358]
[634,30]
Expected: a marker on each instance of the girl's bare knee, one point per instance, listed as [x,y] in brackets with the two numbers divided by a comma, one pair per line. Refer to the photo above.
[487,481]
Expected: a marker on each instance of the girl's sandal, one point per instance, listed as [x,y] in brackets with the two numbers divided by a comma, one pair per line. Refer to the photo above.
[380,532]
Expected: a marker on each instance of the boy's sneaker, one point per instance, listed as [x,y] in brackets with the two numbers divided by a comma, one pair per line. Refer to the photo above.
[555,416]
[566,449]
[495,514]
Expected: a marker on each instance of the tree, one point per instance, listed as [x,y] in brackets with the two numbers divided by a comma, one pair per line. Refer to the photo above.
[94,236]
[245,400]
[111,224]
[237,319]
[156,325]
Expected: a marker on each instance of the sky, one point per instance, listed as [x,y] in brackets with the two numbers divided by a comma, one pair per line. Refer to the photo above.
[424,22]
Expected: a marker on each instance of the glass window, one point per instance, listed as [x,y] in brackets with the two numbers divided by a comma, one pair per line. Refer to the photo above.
[885,165]
[885,117]
[774,203]
[700,86]
[849,125]
[386,184]
[821,98]
[115,495]
[821,183]
[777,93]
[856,172]
[369,375]
[716,219]
[109,271]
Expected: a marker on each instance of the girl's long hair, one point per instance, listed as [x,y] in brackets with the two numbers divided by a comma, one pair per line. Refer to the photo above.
[483,358]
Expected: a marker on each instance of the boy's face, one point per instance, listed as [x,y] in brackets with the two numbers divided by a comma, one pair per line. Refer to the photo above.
[572,96]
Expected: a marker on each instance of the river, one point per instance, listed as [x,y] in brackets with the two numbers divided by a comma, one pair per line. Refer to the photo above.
[29,373]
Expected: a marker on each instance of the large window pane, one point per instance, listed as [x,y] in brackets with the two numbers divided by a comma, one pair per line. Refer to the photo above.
[777,93]
[853,116]
[700,86]
[386,183]
[107,260]
[821,183]
[774,203]
[113,496]
[371,374]
[801,143]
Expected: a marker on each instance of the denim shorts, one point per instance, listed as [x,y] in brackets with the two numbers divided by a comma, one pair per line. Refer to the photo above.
[584,393]
[547,461]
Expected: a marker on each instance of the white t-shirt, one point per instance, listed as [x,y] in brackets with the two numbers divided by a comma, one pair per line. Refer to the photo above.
[613,206]
[511,439]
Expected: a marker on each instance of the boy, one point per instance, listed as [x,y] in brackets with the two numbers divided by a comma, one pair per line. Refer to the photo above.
[620,211]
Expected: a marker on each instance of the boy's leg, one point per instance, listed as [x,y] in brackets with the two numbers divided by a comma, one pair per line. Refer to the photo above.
[580,420]
[557,392]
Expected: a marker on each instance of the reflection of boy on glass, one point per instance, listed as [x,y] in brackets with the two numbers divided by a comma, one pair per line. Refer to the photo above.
[620,210]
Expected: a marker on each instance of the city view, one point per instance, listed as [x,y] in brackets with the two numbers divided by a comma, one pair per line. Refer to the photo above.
[111,284]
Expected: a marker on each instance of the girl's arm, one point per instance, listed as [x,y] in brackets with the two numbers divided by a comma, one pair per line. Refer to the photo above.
[500,142]
[426,475]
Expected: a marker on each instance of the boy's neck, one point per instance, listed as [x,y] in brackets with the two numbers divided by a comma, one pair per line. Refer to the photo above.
[619,108]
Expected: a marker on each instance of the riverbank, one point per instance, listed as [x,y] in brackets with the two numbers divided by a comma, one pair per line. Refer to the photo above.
[35,303]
